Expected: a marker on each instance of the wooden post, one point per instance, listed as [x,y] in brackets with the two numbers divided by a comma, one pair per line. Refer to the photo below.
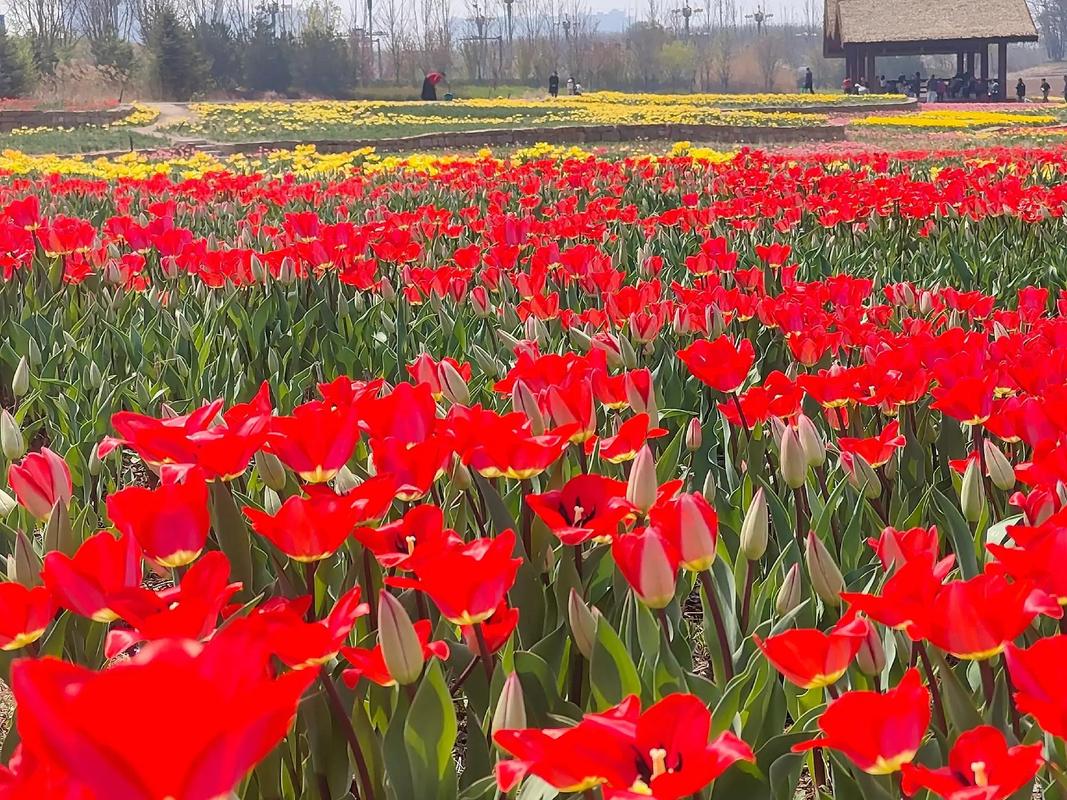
[872,69]
[1002,69]
[983,62]
[970,64]
[959,63]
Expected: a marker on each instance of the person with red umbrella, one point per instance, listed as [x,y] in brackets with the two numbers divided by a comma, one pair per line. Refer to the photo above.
[429,85]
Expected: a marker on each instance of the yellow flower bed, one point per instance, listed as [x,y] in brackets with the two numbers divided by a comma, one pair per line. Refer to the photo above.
[141,115]
[955,119]
[304,161]
[280,119]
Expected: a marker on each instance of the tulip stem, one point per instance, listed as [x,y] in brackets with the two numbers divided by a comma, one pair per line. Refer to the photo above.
[989,681]
[720,625]
[801,507]
[368,587]
[350,734]
[309,579]
[746,596]
[462,679]
[935,688]
[483,651]
[1016,722]
[741,413]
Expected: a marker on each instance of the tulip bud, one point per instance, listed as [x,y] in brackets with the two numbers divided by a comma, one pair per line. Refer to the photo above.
[536,330]
[657,577]
[642,486]
[270,469]
[11,442]
[811,441]
[510,713]
[788,596]
[461,476]
[826,578]
[926,302]
[96,377]
[972,494]
[791,458]
[694,435]
[583,621]
[401,649]
[699,532]
[345,480]
[1000,469]
[863,478]
[20,382]
[627,354]
[871,656]
[755,527]
[453,387]
[387,290]
[272,502]
[709,488]
[7,504]
[522,400]
[27,562]
[95,466]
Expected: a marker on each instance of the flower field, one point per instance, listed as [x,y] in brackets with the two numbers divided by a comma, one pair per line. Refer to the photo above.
[329,119]
[698,475]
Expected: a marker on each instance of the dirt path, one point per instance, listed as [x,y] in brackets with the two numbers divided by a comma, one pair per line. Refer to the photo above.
[170,115]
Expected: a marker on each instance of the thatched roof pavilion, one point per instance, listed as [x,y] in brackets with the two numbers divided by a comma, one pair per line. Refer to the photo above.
[862,30]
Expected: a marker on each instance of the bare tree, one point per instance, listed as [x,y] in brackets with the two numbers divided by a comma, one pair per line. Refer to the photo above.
[50,25]
[769,55]
[724,40]
[393,20]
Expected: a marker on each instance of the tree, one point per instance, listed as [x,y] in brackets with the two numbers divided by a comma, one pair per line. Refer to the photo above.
[221,51]
[267,56]
[769,53]
[725,42]
[16,66]
[49,25]
[322,63]
[177,67]
[115,58]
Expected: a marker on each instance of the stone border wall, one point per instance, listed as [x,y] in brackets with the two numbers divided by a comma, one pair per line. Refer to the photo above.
[11,118]
[911,104]
[573,134]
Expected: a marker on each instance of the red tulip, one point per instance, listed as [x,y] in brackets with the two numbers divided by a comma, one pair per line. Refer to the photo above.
[496,630]
[160,441]
[189,610]
[877,450]
[170,523]
[403,543]
[597,751]
[300,644]
[812,659]
[100,570]
[467,582]
[896,548]
[40,481]
[649,563]
[976,618]
[690,525]
[879,733]
[587,507]
[24,614]
[980,766]
[92,726]
[630,438]
[663,752]
[905,599]
[1036,561]
[1038,675]
[719,363]
[369,663]
[317,440]
[308,528]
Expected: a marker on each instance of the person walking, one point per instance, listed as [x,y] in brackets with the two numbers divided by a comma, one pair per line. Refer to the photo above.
[553,84]
[809,81]
[1020,90]
[1065,88]
[429,85]
[1046,87]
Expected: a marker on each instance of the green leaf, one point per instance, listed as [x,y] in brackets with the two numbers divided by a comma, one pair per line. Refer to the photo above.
[612,674]
[430,734]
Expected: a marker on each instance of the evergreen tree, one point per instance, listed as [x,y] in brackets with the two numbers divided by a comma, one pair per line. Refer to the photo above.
[178,67]
[267,55]
[323,64]
[221,53]
[16,66]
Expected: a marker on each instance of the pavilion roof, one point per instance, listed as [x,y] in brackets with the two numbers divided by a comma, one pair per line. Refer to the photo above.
[873,21]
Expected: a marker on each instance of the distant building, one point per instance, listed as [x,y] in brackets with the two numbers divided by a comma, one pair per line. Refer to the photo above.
[860,31]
